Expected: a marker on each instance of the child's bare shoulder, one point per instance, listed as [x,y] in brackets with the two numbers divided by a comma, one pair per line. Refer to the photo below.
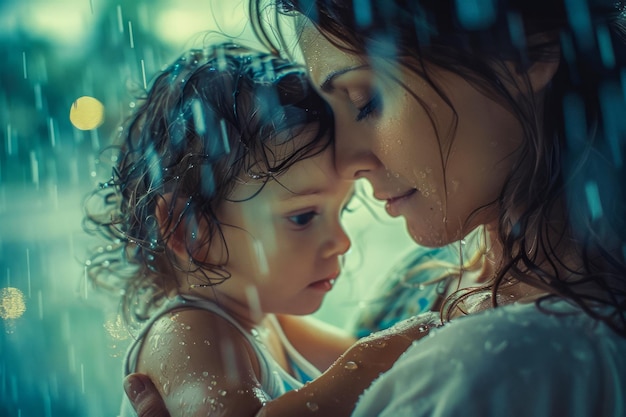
[197,347]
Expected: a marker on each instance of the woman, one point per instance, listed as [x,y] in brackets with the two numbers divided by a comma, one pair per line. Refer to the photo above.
[503,117]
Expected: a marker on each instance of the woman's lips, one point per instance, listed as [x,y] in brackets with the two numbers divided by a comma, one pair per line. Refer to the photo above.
[393,204]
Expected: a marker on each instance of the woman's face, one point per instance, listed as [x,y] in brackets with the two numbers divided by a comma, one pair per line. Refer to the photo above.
[433,169]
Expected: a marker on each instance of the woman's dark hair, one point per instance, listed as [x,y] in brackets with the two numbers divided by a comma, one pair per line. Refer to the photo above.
[216,116]
[572,159]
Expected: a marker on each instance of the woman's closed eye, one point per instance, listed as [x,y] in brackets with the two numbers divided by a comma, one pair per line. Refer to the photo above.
[303,219]
[369,109]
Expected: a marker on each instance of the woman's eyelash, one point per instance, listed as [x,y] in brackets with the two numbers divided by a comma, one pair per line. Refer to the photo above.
[369,108]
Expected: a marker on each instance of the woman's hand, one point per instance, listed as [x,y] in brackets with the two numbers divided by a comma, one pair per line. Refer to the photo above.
[144,396]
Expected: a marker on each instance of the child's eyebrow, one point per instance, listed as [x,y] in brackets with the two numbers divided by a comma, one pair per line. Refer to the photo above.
[288,194]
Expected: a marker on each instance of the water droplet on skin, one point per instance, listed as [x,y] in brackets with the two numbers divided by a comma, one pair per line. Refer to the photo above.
[351,366]
[312,406]
[214,382]
[166,388]
[222,392]
[205,374]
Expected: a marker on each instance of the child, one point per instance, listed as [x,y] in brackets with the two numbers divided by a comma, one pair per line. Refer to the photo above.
[223,245]
[224,234]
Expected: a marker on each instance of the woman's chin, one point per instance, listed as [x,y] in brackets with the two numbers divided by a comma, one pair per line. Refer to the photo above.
[425,235]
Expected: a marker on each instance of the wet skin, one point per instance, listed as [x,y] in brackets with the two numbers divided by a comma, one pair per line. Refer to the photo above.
[434,169]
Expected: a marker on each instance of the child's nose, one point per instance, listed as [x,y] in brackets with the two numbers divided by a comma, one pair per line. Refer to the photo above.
[339,241]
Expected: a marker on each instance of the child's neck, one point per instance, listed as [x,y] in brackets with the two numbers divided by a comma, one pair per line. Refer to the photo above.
[242,312]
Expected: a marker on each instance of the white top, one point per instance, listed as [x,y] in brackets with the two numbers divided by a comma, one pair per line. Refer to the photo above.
[274,379]
[510,361]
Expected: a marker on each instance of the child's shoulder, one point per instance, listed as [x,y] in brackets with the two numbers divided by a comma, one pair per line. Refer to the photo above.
[194,342]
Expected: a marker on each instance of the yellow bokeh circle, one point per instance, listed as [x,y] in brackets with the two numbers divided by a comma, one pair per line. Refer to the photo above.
[12,303]
[87,113]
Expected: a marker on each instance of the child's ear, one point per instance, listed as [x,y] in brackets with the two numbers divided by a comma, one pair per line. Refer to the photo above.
[175,229]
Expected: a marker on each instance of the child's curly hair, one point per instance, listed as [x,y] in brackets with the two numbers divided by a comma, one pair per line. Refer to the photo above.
[213,116]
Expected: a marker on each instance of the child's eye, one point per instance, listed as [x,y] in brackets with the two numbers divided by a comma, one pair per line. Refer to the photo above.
[373,105]
[302,219]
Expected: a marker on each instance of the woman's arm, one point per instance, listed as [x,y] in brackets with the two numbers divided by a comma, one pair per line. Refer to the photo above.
[336,392]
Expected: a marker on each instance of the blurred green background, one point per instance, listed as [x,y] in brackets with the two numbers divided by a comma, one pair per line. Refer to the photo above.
[60,342]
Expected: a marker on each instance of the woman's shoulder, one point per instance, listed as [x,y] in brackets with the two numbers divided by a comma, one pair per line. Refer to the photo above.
[513,360]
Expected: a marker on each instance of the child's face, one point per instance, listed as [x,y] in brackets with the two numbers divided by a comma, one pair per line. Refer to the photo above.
[284,245]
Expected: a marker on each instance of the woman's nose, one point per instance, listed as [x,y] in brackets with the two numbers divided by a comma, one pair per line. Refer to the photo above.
[352,151]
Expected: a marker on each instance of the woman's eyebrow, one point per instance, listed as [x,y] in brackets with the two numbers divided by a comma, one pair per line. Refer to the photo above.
[327,85]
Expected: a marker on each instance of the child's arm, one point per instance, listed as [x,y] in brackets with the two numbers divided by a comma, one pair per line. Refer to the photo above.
[202,365]
[319,342]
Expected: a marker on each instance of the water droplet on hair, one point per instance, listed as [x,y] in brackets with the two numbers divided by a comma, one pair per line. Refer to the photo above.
[222,392]
[351,366]
[312,406]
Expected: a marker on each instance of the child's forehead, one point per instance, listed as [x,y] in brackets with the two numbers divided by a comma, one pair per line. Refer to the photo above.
[311,175]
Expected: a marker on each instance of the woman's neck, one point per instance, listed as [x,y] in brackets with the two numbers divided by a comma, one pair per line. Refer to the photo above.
[492,262]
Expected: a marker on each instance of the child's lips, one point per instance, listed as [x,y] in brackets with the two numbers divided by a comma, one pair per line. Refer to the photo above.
[323,285]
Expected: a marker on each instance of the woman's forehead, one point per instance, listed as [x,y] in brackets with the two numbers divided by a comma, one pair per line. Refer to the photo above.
[322,57]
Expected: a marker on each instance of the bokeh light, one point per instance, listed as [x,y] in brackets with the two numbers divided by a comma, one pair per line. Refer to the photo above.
[87,113]
[12,304]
